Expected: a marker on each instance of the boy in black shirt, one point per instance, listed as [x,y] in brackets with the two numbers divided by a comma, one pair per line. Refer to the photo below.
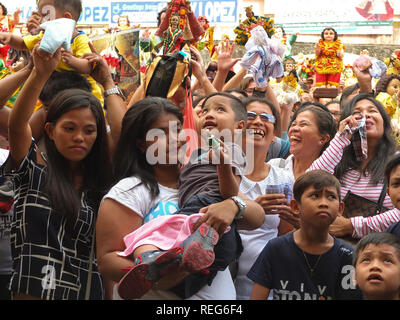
[308,264]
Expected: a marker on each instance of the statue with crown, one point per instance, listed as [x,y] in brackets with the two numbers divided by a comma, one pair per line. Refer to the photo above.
[179,27]
[243,31]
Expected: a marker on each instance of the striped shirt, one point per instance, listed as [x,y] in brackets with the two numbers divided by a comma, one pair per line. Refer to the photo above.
[357,184]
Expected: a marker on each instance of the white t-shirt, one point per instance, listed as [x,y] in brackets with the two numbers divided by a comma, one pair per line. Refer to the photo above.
[129,193]
[255,240]
[136,197]
[287,165]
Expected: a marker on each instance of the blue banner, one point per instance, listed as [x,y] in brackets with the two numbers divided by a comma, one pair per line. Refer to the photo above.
[145,13]
[222,12]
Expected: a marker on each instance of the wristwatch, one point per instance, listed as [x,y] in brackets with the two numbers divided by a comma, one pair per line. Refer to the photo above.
[241,205]
[115,90]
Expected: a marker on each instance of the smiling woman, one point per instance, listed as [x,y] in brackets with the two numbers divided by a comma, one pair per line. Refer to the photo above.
[262,123]
[310,131]
[364,178]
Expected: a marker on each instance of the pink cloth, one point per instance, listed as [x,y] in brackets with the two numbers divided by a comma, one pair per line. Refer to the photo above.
[164,232]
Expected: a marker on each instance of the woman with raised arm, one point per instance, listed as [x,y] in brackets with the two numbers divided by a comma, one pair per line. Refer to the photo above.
[57,193]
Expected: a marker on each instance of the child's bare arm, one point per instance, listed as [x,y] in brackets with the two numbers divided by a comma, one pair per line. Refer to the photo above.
[259,292]
[14,41]
[228,181]
[80,65]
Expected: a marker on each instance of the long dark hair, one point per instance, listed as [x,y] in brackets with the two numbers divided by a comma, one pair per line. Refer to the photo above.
[385,147]
[96,167]
[129,160]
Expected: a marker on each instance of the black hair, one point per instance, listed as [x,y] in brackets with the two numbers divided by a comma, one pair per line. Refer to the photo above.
[60,81]
[383,83]
[346,93]
[376,238]
[63,196]
[283,30]
[237,90]
[384,149]
[329,28]
[314,103]
[332,102]
[159,15]
[129,159]
[244,84]
[197,100]
[319,179]
[73,6]
[392,164]
[230,75]
[275,112]
[5,11]
[324,120]
[236,105]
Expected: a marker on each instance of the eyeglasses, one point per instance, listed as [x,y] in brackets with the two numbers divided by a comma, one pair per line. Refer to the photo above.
[266,117]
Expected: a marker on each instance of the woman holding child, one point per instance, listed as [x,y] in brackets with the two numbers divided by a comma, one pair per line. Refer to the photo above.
[147,190]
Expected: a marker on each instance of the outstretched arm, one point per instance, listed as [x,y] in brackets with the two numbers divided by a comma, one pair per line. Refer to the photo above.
[78,64]
[225,63]
[9,84]
[236,80]
[14,41]
[19,131]
[116,106]
[199,72]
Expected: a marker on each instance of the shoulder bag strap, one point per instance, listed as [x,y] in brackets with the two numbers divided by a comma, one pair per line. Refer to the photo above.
[382,196]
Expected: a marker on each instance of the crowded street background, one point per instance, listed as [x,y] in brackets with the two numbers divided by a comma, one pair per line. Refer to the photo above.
[199,150]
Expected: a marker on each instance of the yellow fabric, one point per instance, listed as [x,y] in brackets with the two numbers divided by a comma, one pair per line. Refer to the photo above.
[328,62]
[79,46]
[388,102]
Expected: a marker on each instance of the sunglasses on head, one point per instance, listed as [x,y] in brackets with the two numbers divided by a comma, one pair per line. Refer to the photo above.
[251,115]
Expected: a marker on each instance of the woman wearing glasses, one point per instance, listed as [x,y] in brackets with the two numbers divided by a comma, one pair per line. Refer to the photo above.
[263,123]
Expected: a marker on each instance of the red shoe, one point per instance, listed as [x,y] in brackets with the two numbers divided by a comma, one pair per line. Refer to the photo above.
[198,249]
[150,267]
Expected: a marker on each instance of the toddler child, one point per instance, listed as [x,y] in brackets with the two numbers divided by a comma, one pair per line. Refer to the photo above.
[167,243]
[53,11]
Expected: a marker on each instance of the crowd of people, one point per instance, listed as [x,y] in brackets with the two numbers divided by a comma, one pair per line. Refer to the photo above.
[208,183]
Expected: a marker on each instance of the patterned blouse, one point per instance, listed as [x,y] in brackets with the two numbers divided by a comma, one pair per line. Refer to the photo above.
[51,257]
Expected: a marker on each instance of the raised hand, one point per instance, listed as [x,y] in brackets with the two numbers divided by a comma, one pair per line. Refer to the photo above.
[45,64]
[225,53]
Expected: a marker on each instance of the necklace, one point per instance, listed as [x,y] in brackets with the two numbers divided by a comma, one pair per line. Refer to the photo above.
[308,264]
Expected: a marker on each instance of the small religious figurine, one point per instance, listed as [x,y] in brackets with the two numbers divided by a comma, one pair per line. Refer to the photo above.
[207,39]
[243,30]
[280,35]
[8,22]
[393,63]
[179,26]
[349,76]
[388,94]
[329,53]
